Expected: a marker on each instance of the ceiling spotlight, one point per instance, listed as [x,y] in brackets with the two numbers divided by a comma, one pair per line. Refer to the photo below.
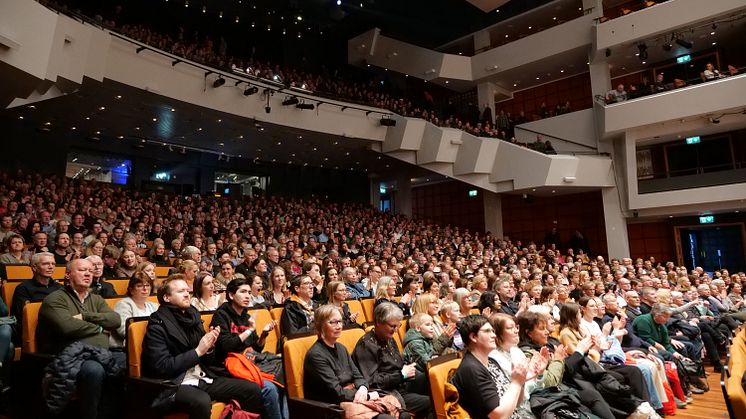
[388,122]
[267,109]
[715,120]
[684,43]
[643,51]
[250,90]
[218,82]
[290,101]
[667,46]
[306,106]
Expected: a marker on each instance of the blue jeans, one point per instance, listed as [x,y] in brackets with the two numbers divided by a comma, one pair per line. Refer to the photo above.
[275,404]
[6,345]
[655,399]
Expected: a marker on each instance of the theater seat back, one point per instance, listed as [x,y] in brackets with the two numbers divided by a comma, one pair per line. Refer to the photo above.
[349,338]
[30,322]
[438,376]
[294,355]
[136,328]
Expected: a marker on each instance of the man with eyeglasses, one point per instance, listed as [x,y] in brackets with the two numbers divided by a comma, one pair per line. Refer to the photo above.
[371,282]
[377,356]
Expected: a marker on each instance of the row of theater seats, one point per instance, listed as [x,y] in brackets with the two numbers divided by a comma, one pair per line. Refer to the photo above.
[732,375]
[21,272]
[294,353]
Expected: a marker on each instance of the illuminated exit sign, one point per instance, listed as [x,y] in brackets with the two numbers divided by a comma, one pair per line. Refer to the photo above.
[692,140]
[706,219]
[683,59]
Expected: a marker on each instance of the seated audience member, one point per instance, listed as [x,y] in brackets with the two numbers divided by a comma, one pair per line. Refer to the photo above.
[158,254]
[506,293]
[36,288]
[226,275]
[355,288]
[616,95]
[387,292]
[257,299]
[176,348]
[463,298]
[204,297]
[62,252]
[238,333]
[278,291]
[632,309]
[419,342]
[336,295]
[732,70]
[659,85]
[429,304]
[377,356]
[297,316]
[74,315]
[711,73]
[136,304]
[110,257]
[329,375]
[312,269]
[17,253]
[40,240]
[148,269]
[127,264]
[484,389]
[190,270]
[652,328]
[98,284]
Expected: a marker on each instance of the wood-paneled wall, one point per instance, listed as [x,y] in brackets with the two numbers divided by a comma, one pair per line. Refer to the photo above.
[449,203]
[576,89]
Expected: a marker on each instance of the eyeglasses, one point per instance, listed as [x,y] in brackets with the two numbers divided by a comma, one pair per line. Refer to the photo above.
[304,283]
[334,322]
[141,285]
[393,325]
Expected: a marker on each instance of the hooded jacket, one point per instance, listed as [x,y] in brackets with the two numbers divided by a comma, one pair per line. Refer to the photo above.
[417,348]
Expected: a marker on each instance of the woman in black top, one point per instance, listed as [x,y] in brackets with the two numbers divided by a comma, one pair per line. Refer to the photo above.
[336,293]
[238,332]
[483,389]
[329,375]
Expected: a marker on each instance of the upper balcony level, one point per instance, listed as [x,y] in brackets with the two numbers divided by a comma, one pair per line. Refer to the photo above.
[663,18]
[706,100]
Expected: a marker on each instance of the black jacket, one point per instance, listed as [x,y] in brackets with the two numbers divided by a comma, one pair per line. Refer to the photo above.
[231,325]
[167,351]
[379,361]
[328,372]
[294,319]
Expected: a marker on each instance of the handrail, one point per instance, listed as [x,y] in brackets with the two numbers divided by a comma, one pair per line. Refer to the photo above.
[559,138]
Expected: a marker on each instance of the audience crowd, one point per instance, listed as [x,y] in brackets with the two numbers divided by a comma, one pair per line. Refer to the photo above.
[528,316]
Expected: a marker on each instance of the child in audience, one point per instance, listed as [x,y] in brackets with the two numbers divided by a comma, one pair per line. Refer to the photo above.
[418,342]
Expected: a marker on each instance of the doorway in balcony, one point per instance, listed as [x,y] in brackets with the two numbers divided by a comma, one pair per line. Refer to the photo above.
[712,247]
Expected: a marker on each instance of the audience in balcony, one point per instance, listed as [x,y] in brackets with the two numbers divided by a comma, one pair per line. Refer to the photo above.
[711,73]
[616,95]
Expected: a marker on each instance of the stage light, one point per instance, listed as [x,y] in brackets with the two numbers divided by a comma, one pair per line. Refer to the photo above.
[388,122]
[218,82]
[684,43]
[290,101]
[306,106]
[250,90]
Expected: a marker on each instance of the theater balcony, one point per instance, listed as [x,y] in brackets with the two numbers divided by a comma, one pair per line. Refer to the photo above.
[535,53]
[47,54]
[700,100]
[492,164]
[662,18]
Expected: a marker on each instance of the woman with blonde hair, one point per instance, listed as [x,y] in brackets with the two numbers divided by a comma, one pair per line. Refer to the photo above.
[336,294]
[189,269]
[278,291]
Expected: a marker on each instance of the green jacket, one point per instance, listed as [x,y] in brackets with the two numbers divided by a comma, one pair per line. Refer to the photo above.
[58,328]
[647,329]
[417,348]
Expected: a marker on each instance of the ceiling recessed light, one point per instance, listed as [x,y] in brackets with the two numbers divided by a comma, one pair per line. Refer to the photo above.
[173,110]
[714,43]
[137,128]
[220,120]
[712,33]
[47,123]
[32,106]
[292,155]
[102,108]
[515,84]
[221,144]
[326,158]
[240,137]
[314,149]
[98,132]
[537,78]
[87,118]
[73,128]
[120,136]
[530,27]
[20,117]
[155,119]
[347,153]
[506,35]
[279,143]
[118,96]
[562,71]
[554,18]
[199,129]
[447,80]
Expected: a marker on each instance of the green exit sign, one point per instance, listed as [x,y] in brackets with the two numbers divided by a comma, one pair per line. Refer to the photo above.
[706,219]
[683,59]
[692,140]
[472,193]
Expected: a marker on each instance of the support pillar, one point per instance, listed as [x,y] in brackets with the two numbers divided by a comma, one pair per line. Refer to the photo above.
[486,97]
[493,213]
[375,192]
[617,239]
[403,197]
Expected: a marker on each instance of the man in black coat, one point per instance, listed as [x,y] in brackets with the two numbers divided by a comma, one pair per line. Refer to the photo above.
[176,348]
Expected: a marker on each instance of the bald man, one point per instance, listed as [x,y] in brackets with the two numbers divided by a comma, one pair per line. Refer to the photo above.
[74,314]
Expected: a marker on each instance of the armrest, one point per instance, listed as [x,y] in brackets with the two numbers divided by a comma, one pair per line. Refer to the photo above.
[312,408]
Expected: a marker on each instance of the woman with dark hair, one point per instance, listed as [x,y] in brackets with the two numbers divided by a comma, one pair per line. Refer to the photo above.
[261,268]
[489,303]
[484,389]
[548,299]
[158,254]
[238,334]
[17,253]
[297,316]
[256,298]
[533,335]
[312,270]
[226,275]
[136,304]
[336,294]
[204,297]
